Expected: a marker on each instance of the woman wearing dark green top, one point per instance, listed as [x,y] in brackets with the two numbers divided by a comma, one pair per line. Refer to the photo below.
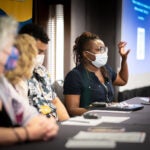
[92,80]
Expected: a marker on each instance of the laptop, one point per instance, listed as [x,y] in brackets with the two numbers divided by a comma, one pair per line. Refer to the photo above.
[123,106]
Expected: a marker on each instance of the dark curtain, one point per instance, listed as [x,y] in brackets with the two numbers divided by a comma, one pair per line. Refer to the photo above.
[40,12]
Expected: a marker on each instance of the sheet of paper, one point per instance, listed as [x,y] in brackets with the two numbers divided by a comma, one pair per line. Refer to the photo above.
[106,129]
[129,137]
[109,111]
[80,121]
[71,143]
[146,99]
[109,119]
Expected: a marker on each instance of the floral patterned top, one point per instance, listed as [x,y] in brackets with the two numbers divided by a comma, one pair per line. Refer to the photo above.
[40,92]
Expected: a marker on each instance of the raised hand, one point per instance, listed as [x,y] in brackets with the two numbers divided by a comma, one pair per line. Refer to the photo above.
[123,53]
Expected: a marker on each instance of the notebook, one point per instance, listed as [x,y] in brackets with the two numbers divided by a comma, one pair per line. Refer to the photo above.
[123,106]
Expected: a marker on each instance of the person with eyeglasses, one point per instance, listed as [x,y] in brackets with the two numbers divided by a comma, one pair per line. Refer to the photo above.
[92,79]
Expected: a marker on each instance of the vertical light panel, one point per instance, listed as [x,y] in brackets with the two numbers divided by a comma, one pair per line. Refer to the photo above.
[55,55]
[59,42]
[51,48]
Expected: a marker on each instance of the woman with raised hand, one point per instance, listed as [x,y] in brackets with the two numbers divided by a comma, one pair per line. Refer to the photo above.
[92,79]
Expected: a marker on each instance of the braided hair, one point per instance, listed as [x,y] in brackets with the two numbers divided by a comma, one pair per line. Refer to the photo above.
[80,41]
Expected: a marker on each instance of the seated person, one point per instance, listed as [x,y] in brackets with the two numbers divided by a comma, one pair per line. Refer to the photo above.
[92,79]
[40,93]
[18,77]
[19,121]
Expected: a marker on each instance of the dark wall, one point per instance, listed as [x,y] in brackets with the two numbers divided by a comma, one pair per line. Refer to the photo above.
[101,19]
[40,12]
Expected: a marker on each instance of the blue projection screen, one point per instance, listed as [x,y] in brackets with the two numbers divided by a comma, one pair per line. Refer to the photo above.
[135,30]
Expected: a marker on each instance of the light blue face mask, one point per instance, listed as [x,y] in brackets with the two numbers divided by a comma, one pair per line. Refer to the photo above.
[12,59]
[100,59]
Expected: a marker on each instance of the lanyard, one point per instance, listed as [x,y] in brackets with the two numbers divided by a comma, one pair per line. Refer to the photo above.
[106,89]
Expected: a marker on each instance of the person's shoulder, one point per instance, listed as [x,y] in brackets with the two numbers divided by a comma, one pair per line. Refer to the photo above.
[40,70]
[40,67]
[4,83]
[75,71]
[73,77]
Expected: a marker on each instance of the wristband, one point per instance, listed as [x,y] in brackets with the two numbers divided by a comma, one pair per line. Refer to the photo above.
[27,133]
[17,135]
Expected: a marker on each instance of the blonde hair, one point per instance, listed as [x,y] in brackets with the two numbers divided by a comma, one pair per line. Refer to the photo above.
[26,46]
[8,30]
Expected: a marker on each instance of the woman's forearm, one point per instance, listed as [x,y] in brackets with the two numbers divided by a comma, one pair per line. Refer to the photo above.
[124,70]
[10,136]
[77,111]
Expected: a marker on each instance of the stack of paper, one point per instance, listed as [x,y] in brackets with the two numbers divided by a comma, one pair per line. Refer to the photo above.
[129,137]
[103,140]
[71,143]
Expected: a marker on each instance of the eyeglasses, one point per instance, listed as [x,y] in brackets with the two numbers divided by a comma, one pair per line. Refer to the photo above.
[101,50]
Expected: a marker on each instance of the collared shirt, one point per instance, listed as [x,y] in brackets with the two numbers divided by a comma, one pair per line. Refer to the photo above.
[18,110]
[81,82]
[41,93]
